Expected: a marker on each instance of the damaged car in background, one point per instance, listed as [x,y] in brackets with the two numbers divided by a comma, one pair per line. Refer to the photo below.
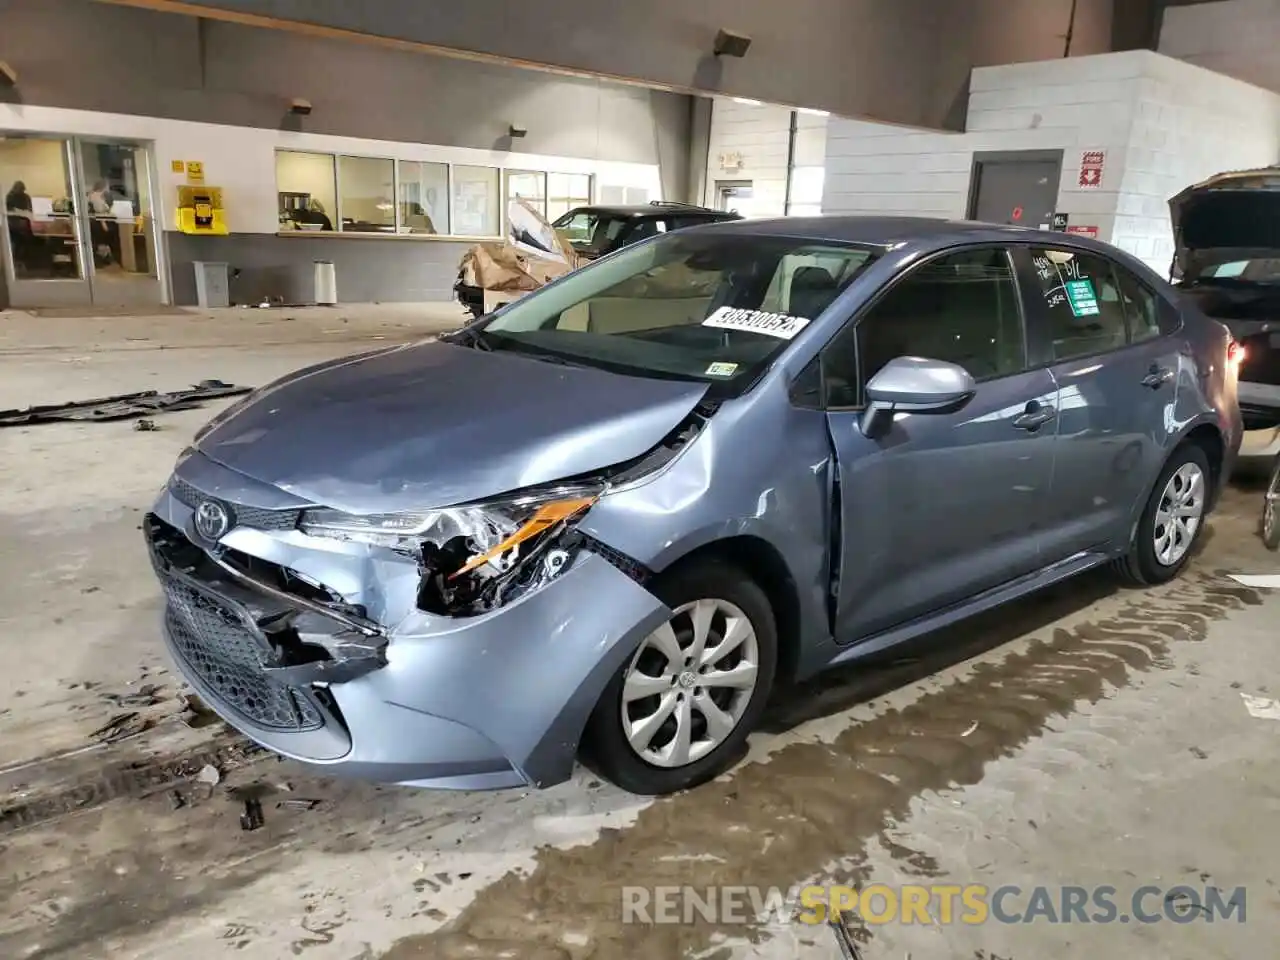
[607,521]
[535,252]
[1227,262]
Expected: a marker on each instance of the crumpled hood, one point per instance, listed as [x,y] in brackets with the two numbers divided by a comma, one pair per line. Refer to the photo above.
[433,424]
[1230,216]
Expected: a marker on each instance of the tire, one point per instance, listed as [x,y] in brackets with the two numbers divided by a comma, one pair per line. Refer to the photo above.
[1270,526]
[692,590]
[1143,565]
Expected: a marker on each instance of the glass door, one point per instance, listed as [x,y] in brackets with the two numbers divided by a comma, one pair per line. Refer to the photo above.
[115,187]
[43,240]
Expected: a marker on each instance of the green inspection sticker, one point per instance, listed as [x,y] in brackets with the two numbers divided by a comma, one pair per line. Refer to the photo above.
[1083,300]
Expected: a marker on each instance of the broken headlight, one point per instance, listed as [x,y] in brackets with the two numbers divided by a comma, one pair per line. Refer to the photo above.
[473,557]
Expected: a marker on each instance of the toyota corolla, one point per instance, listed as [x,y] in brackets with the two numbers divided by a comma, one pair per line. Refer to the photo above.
[610,519]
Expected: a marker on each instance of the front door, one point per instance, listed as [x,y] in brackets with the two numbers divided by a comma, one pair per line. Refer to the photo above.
[78,223]
[1018,189]
[115,184]
[1117,376]
[43,242]
[942,506]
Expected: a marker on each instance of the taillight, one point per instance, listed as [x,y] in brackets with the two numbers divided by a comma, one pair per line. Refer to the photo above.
[1235,354]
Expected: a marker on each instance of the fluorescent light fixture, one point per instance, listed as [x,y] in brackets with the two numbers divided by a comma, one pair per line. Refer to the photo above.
[814,113]
[749,103]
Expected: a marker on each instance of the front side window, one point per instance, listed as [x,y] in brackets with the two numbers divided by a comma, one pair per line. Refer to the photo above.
[710,308]
[962,308]
[1082,301]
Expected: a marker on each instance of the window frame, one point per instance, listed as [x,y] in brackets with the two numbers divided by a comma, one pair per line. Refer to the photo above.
[851,325]
[1168,317]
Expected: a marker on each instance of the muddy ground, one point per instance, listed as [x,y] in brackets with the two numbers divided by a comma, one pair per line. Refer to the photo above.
[1090,736]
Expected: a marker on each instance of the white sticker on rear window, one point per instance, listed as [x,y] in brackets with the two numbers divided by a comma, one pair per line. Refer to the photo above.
[780,325]
[722,370]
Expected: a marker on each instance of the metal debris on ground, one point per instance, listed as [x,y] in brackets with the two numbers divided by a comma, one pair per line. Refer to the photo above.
[252,817]
[299,804]
[147,695]
[122,406]
[121,727]
[145,426]
[844,936]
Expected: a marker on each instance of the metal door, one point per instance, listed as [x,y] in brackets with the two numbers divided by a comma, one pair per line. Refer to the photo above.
[1016,188]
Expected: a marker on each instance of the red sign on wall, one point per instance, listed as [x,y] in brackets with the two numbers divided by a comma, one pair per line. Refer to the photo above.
[1084,231]
[1091,162]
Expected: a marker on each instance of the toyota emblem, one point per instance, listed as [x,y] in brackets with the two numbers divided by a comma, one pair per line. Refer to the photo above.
[212,520]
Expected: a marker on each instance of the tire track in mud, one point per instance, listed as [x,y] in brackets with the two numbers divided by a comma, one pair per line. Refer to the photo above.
[788,817]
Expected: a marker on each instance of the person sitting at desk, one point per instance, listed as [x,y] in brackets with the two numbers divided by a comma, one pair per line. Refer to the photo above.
[17,200]
[313,213]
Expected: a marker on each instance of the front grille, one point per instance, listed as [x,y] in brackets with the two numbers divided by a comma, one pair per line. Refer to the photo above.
[221,650]
[241,515]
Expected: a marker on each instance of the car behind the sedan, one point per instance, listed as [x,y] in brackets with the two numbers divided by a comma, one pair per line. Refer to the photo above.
[609,520]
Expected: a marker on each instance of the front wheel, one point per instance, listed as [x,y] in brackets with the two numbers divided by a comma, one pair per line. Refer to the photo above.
[1172,520]
[1271,510]
[680,709]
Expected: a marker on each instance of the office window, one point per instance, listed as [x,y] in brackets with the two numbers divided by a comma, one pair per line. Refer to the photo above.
[366,190]
[423,197]
[530,186]
[1083,301]
[566,191]
[962,308]
[306,190]
[476,193]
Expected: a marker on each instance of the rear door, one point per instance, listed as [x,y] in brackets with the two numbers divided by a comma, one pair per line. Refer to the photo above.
[1099,328]
[942,506]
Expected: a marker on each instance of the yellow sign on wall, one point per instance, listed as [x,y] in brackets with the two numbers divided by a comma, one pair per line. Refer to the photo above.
[195,171]
[177,166]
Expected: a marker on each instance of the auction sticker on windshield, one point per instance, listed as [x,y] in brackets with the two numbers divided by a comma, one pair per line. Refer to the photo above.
[780,325]
[722,370]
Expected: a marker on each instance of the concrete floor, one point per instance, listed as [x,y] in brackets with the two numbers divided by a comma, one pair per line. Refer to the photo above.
[1091,736]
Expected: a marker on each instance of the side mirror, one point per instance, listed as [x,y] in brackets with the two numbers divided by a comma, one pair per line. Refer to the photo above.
[914,385]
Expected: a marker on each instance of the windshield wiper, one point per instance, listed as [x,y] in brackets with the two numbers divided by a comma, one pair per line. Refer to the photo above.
[471,338]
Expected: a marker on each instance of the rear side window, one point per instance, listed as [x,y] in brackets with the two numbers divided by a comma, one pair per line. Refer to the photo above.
[962,308]
[1082,301]
[1141,307]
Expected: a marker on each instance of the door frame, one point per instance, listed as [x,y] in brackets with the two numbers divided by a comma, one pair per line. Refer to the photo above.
[984,157]
[85,292]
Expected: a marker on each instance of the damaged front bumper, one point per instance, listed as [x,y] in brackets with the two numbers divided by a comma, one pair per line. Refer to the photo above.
[317,650]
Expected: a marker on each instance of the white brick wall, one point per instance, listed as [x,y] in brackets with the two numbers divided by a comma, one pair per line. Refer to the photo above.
[1189,123]
[1078,104]
[1236,37]
[1163,124]
[760,133]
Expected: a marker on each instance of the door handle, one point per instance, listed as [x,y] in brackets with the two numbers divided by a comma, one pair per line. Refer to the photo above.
[1157,377]
[1035,416]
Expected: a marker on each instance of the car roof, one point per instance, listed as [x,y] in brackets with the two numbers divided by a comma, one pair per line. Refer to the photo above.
[626,210]
[918,232]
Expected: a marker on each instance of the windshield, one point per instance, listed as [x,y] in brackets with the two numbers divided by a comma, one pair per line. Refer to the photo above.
[1262,270]
[700,306]
[590,232]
